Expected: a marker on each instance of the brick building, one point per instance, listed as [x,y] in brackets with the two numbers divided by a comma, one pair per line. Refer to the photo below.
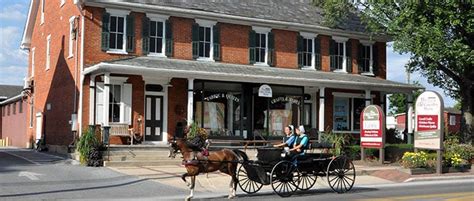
[153,66]
[13,117]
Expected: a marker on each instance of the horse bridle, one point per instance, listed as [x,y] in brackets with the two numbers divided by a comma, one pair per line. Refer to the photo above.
[173,148]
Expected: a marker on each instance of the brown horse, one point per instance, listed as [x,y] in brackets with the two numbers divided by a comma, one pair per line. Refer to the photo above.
[224,160]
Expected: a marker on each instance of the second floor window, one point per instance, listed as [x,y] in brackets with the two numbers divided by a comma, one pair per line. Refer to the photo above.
[116,32]
[260,47]
[204,49]
[338,57]
[156,37]
[364,59]
[340,52]
[307,52]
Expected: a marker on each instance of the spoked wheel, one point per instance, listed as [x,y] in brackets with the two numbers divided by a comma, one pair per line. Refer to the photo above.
[246,184]
[341,174]
[284,178]
[307,181]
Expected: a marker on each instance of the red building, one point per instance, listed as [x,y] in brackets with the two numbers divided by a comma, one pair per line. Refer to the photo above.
[152,66]
[452,120]
[13,117]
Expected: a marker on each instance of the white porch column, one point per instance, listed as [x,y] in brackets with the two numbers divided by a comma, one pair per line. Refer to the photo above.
[321,112]
[106,98]
[344,59]
[371,61]
[409,119]
[368,98]
[92,100]
[190,100]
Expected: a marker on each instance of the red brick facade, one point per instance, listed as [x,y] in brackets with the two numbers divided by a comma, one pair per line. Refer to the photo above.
[14,119]
[59,86]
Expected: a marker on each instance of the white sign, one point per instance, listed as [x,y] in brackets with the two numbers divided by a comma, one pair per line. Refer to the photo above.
[429,121]
[265,91]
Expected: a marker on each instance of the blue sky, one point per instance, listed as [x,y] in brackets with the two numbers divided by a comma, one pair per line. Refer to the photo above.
[14,62]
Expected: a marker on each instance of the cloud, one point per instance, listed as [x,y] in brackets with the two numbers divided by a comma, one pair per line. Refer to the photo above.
[12,74]
[10,52]
[13,12]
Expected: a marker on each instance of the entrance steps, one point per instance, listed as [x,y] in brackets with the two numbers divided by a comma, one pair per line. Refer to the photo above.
[138,155]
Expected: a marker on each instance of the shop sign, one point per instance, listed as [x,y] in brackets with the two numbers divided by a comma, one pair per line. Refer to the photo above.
[222,95]
[265,91]
[285,99]
[372,133]
[429,121]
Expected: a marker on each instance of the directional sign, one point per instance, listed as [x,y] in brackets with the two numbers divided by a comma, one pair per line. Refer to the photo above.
[372,134]
[429,121]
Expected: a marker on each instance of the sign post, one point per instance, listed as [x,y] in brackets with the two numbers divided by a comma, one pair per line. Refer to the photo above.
[429,126]
[372,132]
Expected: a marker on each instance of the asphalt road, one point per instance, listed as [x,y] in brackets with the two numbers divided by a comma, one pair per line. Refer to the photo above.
[28,175]
[421,191]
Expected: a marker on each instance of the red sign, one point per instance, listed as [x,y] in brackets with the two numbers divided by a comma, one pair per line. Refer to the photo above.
[427,122]
[372,128]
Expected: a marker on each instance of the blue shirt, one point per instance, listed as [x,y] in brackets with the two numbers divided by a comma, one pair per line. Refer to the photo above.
[302,139]
[290,140]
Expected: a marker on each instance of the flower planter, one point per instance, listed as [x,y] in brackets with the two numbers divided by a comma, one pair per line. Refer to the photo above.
[417,171]
[464,168]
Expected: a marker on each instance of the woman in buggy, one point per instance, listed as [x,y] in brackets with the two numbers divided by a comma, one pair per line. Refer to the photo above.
[301,143]
[289,138]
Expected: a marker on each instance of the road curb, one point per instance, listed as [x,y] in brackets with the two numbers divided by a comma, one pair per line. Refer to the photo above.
[438,178]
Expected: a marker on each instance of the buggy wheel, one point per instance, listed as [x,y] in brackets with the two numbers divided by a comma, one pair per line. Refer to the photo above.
[341,174]
[307,181]
[246,184]
[284,178]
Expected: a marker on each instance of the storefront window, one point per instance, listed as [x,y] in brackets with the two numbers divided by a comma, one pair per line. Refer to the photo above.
[341,114]
[359,105]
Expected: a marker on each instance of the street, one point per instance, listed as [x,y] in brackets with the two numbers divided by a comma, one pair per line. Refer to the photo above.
[29,175]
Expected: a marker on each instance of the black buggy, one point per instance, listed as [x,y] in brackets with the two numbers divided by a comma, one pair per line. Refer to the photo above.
[286,175]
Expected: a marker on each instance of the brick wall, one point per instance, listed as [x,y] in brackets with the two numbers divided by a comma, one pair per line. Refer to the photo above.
[325,52]
[15,125]
[177,103]
[285,49]
[234,43]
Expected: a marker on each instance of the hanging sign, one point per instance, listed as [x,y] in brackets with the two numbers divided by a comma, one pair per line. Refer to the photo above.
[429,121]
[372,133]
[265,91]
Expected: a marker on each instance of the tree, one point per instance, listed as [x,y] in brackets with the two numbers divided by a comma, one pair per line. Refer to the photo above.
[439,36]
[398,102]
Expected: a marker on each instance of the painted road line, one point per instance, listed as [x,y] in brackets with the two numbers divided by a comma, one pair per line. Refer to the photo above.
[30,175]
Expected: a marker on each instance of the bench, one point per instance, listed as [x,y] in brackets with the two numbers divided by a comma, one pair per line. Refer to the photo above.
[121,130]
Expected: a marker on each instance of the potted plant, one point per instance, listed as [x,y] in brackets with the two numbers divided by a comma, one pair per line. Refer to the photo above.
[89,149]
[416,162]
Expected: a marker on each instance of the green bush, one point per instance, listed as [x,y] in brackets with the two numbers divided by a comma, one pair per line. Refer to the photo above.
[457,154]
[415,160]
[86,143]
[339,140]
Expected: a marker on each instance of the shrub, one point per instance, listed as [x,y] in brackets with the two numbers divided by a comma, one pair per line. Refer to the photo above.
[85,145]
[415,160]
[456,154]
[339,140]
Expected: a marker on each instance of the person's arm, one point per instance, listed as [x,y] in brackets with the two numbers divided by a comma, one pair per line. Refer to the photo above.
[280,145]
[300,146]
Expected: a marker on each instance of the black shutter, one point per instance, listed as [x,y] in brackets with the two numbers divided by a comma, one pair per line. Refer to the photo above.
[332,52]
[375,66]
[105,31]
[216,42]
[195,43]
[349,56]
[168,39]
[146,35]
[130,33]
[360,61]
[317,52]
[252,46]
[299,50]
[271,49]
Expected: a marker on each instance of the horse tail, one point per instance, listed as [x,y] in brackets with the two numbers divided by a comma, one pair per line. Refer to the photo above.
[241,154]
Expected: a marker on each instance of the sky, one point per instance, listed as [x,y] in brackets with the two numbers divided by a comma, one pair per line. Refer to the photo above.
[14,62]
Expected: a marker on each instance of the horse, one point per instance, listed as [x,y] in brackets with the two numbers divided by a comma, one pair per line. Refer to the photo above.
[224,160]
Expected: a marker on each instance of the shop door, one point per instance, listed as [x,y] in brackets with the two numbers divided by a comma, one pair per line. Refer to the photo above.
[154,118]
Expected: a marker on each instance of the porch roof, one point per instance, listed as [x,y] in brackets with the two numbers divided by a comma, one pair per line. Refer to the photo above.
[164,67]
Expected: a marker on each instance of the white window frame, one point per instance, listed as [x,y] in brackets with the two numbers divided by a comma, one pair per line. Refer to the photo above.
[371,56]
[123,110]
[33,50]
[119,13]
[62,3]
[342,40]
[48,52]
[208,24]
[162,19]
[31,112]
[452,120]
[71,36]
[310,36]
[351,97]
[263,30]
[42,12]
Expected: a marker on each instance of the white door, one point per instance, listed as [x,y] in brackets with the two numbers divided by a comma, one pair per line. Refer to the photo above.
[39,125]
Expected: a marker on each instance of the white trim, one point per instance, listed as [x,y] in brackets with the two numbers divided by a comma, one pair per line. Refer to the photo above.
[308,35]
[117,51]
[367,42]
[33,50]
[162,19]
[371,139]
[62,3]
[350,95]
[261,30]
[205,23]
[163,82]
[321,117]
[48,52]
[71,35]
[42,4]
[157,17]
[117,12]
[340,39]
[117,80]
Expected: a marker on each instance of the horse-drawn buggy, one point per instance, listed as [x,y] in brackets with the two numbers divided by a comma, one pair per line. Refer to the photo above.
[286,174]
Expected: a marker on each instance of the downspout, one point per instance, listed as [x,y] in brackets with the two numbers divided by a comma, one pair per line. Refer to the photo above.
[81,81]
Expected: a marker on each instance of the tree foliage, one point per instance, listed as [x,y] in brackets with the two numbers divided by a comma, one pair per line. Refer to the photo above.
[438,35]
[398,102]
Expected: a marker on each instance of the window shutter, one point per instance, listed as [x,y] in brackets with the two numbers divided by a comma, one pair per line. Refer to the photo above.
[332,52]
[299,49]
[99,103]
[130,33]
[105,31]
[271,49]
[217,42]
[349,56]
[146,35]
[375,60]
[168,39]
[252,47]
[360,61]
[127,103]
[317,52]
[195,43]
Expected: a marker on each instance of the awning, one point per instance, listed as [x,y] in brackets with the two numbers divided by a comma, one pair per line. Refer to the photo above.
[164,67]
